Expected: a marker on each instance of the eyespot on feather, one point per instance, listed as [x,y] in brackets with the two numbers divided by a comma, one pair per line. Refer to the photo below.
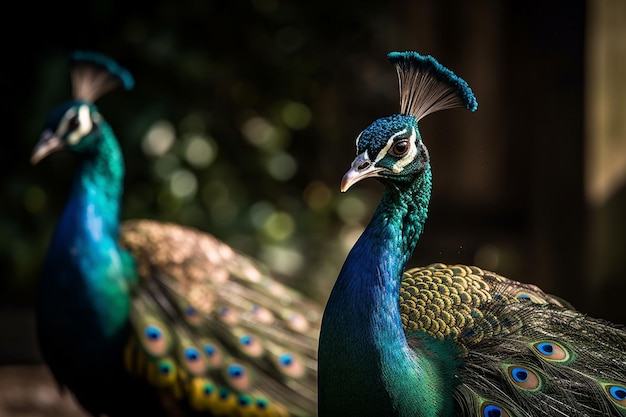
[193,359]
[224,393]
[213,353]
[251,345]
[201,392]
[192,316]
[550,351]
[290,364]
[162,373]
[526,296]
[493,410]
[228,315]
[155,340]
[297,322]
[524,377]
[237,376]
[617,394]
[262,314]
[245,402]
[224,403]
[262,404]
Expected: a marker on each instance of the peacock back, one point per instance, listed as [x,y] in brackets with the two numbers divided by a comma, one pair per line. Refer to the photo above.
[522,350]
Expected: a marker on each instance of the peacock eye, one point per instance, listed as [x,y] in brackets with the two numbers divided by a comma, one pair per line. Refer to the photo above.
[400,148]
[73,123]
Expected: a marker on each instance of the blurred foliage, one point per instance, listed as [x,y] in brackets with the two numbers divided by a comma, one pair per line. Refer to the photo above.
[238,124]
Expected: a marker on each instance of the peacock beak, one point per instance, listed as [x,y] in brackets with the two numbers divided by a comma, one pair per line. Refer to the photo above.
[361,168]
[48,143]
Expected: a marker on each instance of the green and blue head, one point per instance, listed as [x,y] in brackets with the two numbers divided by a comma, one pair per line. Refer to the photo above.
[74,125]
[391,147]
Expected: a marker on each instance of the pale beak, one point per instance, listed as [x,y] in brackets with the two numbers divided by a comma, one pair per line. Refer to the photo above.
[48,143]
[361,168]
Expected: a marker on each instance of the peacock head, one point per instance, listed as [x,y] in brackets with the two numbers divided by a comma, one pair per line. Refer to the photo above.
[75,125]
[391,148]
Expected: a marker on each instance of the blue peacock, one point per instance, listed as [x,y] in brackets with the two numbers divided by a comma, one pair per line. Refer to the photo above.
[448,340]
[147,318]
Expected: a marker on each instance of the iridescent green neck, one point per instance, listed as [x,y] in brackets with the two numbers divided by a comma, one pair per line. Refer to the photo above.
[101,176]
[365,364]
[85,281]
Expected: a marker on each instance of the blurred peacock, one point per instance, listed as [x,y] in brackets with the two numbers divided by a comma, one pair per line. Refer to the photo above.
[149,318]
[448,340]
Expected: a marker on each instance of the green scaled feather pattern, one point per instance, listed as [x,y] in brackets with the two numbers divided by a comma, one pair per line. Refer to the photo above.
[149,318]
[448,340]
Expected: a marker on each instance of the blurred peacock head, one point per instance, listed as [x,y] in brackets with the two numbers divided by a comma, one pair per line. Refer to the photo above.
[75,125]
[72,126]
[391,148]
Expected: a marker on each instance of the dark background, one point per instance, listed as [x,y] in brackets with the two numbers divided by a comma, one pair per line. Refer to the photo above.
[278,90]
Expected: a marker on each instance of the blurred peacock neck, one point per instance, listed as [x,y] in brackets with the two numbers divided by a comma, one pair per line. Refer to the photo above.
[85,280]
[100,178]
[365,364]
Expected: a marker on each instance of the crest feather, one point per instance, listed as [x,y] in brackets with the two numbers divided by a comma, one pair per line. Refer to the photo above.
[94,75]
[426,86]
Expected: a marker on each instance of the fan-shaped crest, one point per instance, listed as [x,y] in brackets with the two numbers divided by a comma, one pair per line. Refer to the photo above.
[426,86]
[94,75]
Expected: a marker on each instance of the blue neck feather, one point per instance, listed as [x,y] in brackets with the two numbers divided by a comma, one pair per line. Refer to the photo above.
[100,176]
[374,371]
[83,303]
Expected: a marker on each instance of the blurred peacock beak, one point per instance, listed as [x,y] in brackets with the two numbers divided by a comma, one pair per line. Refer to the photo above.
[361,168]
[48,143]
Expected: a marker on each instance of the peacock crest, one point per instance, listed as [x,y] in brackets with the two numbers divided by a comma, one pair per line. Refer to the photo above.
[426,86]
[93,75]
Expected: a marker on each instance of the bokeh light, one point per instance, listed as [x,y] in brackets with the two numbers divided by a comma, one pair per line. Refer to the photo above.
[159,138]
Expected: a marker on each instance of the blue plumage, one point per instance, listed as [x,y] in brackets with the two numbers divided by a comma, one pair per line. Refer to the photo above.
[362,350]
[83,304]
[440,340]
[148,318]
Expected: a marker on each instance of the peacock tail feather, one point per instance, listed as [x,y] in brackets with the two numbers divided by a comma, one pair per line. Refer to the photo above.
[448,340]
[150,318]
[214,317]
[525,352]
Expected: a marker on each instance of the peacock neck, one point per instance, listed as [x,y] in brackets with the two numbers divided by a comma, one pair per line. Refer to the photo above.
[100,178]
[365,364]
[84,289]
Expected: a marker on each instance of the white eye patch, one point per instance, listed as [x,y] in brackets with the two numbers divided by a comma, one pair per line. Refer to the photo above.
[406,159]
[357,141]
[410,155]
[386,148]
[75,134]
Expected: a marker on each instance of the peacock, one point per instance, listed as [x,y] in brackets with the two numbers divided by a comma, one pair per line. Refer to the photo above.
[145,318]
[448,340]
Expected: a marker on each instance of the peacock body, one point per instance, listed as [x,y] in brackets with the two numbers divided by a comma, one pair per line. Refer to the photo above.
[448,340]
[149,318]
